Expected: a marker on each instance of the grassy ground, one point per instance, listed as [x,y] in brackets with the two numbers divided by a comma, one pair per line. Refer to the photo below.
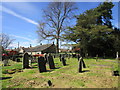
[98,74]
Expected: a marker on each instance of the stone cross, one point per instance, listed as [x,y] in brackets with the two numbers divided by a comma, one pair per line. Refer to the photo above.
[51,62]
[63,61]
[42,64]
[25,61]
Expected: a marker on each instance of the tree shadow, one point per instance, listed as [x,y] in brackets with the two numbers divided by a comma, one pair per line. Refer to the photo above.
[3,78]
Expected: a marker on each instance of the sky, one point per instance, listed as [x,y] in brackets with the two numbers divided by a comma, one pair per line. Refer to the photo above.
[20,20]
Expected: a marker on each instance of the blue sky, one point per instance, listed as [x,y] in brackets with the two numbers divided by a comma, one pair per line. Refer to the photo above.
[20,19]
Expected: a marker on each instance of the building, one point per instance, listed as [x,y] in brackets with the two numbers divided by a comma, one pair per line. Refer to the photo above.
[40,49]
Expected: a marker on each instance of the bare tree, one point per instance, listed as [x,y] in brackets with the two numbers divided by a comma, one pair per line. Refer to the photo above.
[56,18]
[5,40]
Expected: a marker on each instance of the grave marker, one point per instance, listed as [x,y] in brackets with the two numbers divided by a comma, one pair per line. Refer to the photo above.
[81,63]
[60,57]
[51,62]
[25,61]
[42,64]
[63,61]
[78,56]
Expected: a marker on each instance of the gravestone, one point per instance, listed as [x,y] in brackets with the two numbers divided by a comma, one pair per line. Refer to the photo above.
[5,62]
[51,62]
[13,58]
[78,56]
[25,61]
[42,64]
[17,60]
[34,60]
[63,61]
[81,64]
[97,57]
[60,57]
[46,58]
[54,56]
[30,60]
[117,55]
[68,56]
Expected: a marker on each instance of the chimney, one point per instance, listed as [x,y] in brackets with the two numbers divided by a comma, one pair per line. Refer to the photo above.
[30,45]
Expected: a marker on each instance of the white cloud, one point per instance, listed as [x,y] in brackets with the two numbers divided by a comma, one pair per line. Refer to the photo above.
[26,43]
[21,37]
[4,9]
[26,8]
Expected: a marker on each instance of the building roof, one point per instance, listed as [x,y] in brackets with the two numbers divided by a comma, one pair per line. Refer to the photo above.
[37,48]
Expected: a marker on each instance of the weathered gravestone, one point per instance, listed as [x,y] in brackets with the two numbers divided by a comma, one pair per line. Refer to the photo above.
[42,64]
[97,57]
[30,60]
[54,56]
[51,62]
[63,61]
[60,57]
[25,61]
[81,64]
[68,56]
[13,58]
[17,60]
[34,60]
[46,58]
[117,55]
[78,57]
[5,62]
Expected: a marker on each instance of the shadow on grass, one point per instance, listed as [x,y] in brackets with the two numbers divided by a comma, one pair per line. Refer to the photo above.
[67,64]
[85,71]
[3,78]
[53,69]
[34,67]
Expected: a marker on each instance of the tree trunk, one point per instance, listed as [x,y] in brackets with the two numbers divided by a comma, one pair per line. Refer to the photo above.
[57,44]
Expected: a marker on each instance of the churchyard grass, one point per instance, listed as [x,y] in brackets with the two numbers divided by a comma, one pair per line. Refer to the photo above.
[98,74]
